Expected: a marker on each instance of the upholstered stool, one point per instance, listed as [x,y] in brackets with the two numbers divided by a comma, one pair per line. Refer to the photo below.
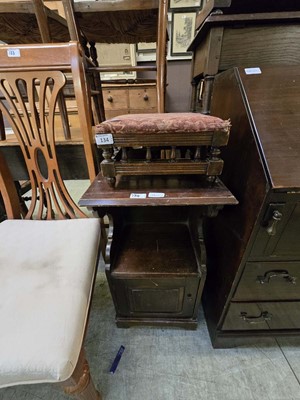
[47,272]
[166,143]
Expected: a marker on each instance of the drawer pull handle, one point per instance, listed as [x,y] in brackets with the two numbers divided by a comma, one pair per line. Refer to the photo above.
[282,273]
[110,99]
[276,217]
[263,317]
[146,97]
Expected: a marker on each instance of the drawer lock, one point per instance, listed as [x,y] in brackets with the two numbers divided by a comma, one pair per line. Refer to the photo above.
[276,217]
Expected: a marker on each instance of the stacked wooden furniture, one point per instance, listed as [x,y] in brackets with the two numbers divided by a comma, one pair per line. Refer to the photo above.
[126,21]
[132,20]
[252,286]
[155,254]
[38,24]
[241,33]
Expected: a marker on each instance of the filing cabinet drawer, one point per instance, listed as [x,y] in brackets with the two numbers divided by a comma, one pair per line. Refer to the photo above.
[269,281]
[262,316]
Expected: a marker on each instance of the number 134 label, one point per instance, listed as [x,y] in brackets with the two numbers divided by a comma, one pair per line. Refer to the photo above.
[104,139]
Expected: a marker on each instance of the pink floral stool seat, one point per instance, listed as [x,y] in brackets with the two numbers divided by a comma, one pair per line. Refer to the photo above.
[162,144]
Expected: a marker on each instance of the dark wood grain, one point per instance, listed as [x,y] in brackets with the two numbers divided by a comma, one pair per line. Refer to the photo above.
[245,7]
[157,265]
[269,281]
[261,169]
[276,92]
[186,190]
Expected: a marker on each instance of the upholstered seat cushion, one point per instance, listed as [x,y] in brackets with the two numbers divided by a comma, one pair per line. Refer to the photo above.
[162,123]
[46,275]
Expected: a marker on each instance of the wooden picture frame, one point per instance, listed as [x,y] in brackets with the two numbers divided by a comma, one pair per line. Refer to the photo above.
[184,3]
[182,32]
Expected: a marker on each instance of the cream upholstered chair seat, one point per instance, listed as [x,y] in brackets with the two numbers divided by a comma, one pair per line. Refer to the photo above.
[46,275]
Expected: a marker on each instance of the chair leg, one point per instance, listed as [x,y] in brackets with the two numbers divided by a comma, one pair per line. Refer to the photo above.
[81,385]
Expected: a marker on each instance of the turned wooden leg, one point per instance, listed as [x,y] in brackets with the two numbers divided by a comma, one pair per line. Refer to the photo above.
[108,166]
[80,385]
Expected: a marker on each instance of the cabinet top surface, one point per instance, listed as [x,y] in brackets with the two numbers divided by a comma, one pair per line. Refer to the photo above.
[245,12]
[156,191]
[273,103]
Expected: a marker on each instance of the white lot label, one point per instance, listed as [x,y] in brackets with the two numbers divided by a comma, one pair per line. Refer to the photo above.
[104,138]
[252,71]
[156,194]
[138,195]
[13,53]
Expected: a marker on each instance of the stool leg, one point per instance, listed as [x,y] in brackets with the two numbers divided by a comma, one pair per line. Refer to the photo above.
[108,165]
[80,385]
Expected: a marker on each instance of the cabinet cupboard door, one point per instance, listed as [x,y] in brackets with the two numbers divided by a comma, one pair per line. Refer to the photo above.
[279,234]
[172,296]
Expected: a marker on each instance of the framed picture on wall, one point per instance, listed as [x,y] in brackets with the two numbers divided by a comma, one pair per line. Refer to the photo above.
[144,47]
[182,32]
[184,3]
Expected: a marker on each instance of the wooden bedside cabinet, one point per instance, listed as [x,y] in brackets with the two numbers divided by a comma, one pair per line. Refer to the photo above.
[155,254]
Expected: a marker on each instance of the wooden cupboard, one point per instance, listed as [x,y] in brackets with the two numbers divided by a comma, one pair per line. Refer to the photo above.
[155,254]
[244,33]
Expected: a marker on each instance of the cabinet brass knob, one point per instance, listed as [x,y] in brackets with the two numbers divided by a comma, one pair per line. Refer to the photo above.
[146,97]
[110,99]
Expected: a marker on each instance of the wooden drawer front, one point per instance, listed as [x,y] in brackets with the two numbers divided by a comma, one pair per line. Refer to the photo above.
[115,99]
[278,235]
[262,316]
[269,281]
[142,99]
[156,297]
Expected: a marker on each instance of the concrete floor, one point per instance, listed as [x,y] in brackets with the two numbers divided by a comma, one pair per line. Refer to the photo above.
[174,364]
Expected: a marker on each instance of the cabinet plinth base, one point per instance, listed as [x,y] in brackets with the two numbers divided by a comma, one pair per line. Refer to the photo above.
[190,324]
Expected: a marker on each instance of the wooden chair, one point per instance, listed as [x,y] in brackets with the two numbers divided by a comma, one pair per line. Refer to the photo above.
[47,266]
[33,80]
[47,283]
